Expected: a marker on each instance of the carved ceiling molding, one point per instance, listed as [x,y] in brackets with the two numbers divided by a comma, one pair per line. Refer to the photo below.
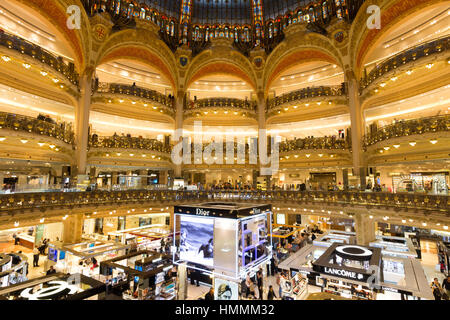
[55,12]
[143,45]
[303,47]
[221,59]
[363,39]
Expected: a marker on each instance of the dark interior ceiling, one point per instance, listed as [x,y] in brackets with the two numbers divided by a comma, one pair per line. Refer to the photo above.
[226,11]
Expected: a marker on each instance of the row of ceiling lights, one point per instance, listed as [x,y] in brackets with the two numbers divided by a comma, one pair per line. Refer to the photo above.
[41,144]
[306,155]
[28,66]
[411,143]
[132,155]
[306,105]
[408,72]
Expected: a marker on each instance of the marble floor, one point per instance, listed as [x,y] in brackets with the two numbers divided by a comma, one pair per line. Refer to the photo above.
[430,260]
[33,272]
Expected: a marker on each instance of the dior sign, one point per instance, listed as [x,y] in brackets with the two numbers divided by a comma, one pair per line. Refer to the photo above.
[201,212]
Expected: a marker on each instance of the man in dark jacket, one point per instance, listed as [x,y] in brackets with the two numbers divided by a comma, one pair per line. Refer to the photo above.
[210,294]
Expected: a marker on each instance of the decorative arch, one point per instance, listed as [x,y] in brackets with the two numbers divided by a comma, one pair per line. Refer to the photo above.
[363,39]
[55,12]
[219,60]
[309,47]
[140,45]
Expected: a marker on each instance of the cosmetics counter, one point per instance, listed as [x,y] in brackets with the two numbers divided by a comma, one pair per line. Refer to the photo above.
[346,270]
[295,287]
[80,257]
[335,236]
[58,286]
[395,246]
[13,268]
[143,238]
[143,275]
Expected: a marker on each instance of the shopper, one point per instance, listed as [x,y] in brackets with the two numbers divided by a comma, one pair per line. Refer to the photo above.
[446,286]
[248,285]
[259,281]
[210,294]
[51,270]
[35,257]
[271,294]
[16,239]
[437,289]
[279,284]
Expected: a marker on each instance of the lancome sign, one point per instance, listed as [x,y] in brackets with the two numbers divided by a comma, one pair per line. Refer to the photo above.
[343,273]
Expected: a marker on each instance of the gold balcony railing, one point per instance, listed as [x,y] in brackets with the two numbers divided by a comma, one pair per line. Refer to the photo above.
[30,49]
[138,92]
[404,57]
[61,131]
[331,143]
[306,93]
[222,103]
[407,128]
[128,142]
[413,203]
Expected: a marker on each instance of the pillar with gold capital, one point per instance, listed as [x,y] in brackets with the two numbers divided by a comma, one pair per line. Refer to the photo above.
[82,110]
[357,123]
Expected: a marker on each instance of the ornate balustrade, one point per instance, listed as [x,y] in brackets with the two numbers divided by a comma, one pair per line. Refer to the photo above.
[57,63]
[306,93]
[61,131]
[130,90]
[414,203]
[331,143]
[124,142]
[222,103]
[404,57]
[407,128]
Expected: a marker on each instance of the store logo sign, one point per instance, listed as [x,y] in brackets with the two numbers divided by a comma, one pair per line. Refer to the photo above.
[201,212]
[46,293]
[344,273]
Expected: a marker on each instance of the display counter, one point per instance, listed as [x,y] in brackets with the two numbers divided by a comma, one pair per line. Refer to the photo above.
[143,275]
[144,238]
[294,287]
[13,268]
[79,258]
[395,246]
[57,286]
[335,236]
[399,278]
[26,240]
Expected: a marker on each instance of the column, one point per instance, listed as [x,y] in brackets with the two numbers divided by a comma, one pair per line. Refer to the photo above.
[365,229]
[72,228]
[163,175]
[82,120]
[357,128]
[179,108]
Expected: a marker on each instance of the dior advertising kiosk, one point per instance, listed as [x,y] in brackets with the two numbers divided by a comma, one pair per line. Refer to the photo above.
[226,241]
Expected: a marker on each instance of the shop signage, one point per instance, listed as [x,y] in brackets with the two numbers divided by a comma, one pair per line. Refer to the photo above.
[390,289]
[46,293]
[256,211]
[201,212]
[343,273]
